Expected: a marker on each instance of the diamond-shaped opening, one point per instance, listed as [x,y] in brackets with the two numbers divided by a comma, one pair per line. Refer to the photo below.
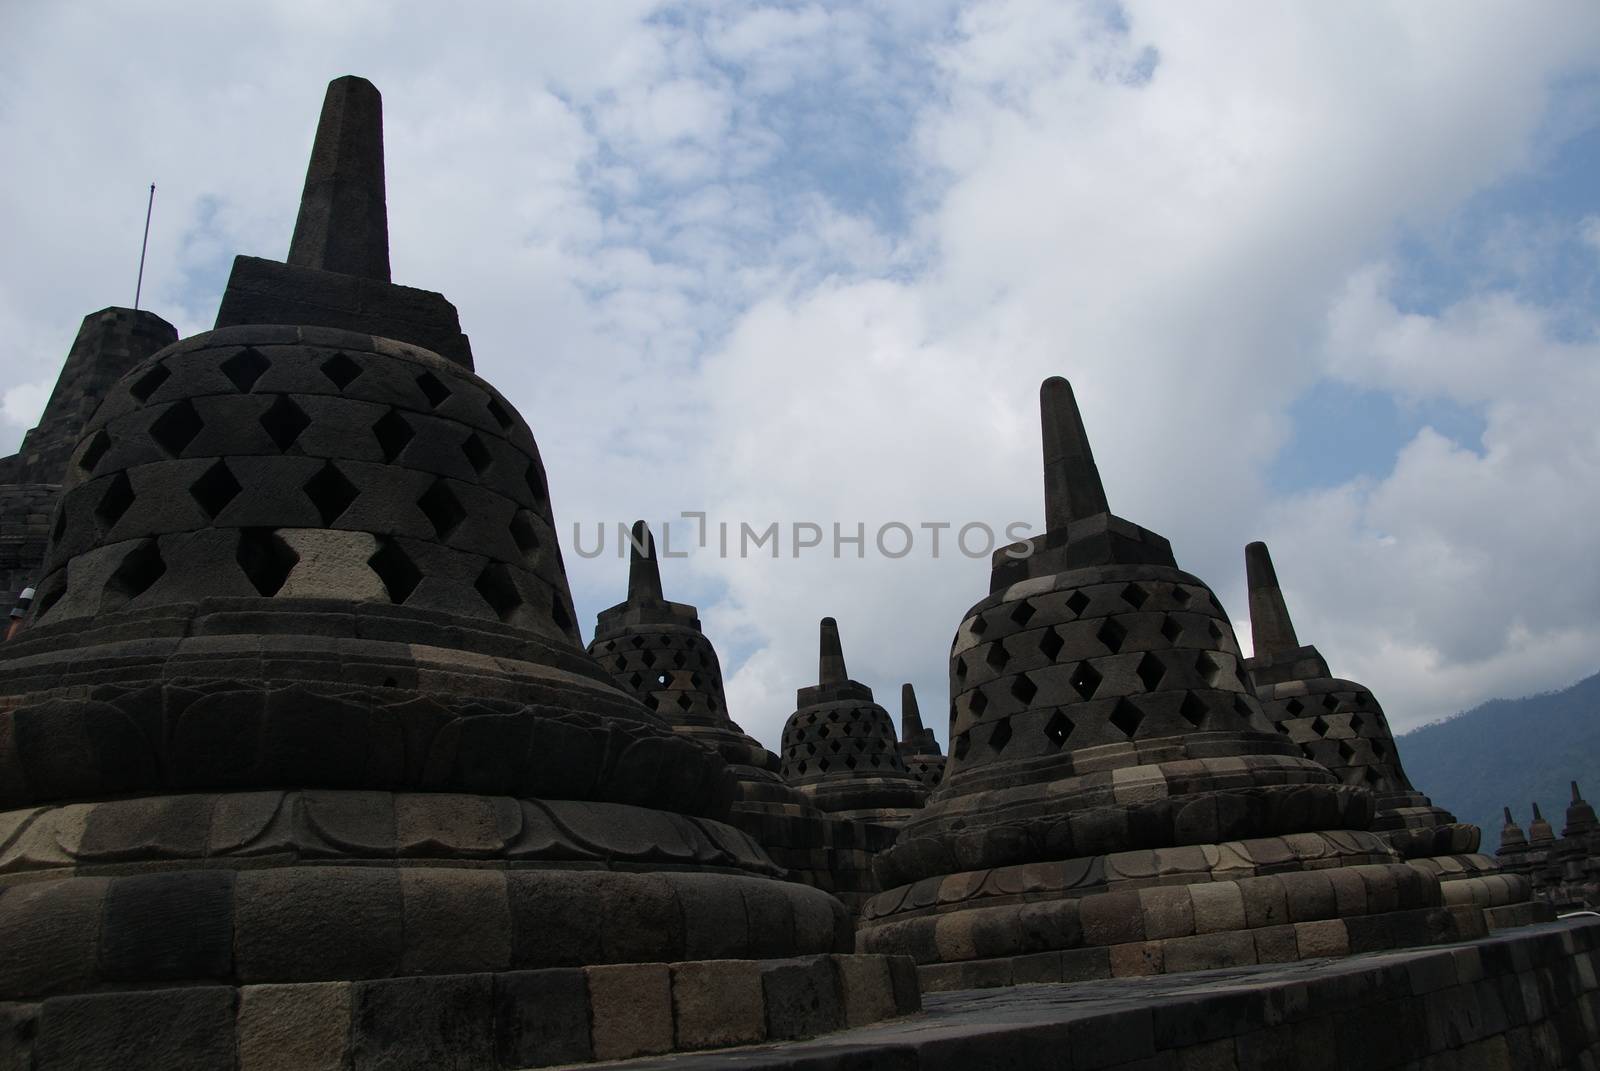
[149,383]
[443,510]
[1150,671]
[1330,702]
[432,389]
[1208,668]
[92,453]
[1361,699]
[265,558]
[652,702]
[1215,630]
[1023,689]
[1023,613]
[1170,629]
[60,528]
[634,680]
[1372,775]
[1000,735]
[997,656]
[1058,728]
[477,454]
[824,732]
[215,488]
[1126,717]
[500,413]
[850,761]
[1077,602]
[393,433]
[1180,595]
[499,590]
[663,679]
[979,626]
[535,479]
[836,746]
[1319,726]
[1112,634]
[711,704]
[1134,595]
[1241,706]
[395,568]
[177,427]
[1194,710]
[1085,680]
[115,501]
[695,680]
[1379,752]
[1294,707]
[618,663]
[833,715]
[330,492]
[284,421]
[141,567]
[1346,751]
[49,595]
[1050,644]
[978,703]
[341,370]
[648,658]
[524,533]
[1356,722]
[962,746]
[244,368]
[678,659]
[684,702]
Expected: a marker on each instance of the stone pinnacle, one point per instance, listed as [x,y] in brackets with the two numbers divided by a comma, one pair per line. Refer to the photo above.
[1072,488]
[831,669]
[1270,625]
[910,716]
[644,572]
[343,224]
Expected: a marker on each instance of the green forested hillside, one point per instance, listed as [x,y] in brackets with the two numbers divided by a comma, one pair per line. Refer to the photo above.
[1510,752]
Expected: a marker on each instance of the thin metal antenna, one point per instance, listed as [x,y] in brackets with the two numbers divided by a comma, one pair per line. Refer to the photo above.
[139,286]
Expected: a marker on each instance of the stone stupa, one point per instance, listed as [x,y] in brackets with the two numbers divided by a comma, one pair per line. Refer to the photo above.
[655,651]
[302,761]
[1116,801]
[919,748]
[1340,724]
[840,748]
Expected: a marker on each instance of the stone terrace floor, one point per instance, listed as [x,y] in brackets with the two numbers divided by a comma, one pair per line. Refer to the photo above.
[1518,998]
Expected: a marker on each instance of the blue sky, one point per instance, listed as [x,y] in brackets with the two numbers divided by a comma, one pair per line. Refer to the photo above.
[1324,276]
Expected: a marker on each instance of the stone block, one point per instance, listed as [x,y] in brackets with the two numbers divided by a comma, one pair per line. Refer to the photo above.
[190,1029]
[717,1003]
[542,1017]
[802,997]
[169,927]
[442,1023]
[1209,951]
[303,1027]
[1136,959]
[1265,903]
[866,988]
[50,931]
[631,1009]
[1111,918]
[1218,906]
[1326,937]
[1168,912]
[907,990]
[19,1025]
[457,920]
[1115,1038]
[317,924]
[553,915]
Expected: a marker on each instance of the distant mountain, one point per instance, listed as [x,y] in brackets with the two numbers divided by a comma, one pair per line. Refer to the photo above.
[1510,753]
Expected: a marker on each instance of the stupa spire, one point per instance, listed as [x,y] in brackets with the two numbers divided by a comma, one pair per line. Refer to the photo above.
[644,571]
[910,716]
[1072,487]
[343,224]
[1270,624]
[830,668]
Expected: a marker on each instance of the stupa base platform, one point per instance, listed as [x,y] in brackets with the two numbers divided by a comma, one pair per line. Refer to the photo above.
[483,1021]
[1524,999]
